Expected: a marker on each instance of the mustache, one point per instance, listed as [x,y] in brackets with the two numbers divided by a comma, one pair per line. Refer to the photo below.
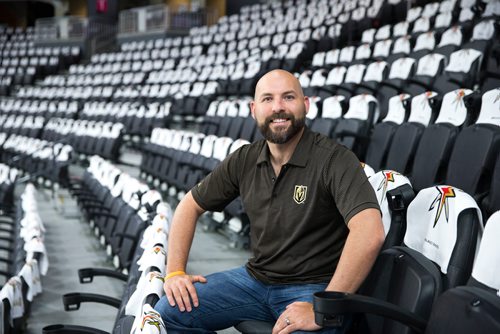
[280,115]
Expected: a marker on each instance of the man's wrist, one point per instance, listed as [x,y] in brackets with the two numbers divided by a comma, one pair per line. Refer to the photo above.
[174,273]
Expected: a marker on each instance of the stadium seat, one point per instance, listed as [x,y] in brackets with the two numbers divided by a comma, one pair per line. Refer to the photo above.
[407,136]
[406,280]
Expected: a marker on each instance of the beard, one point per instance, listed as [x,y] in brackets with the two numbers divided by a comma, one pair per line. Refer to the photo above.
[281,135]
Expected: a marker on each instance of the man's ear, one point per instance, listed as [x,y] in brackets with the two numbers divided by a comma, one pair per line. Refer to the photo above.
[252,108]
[307,103]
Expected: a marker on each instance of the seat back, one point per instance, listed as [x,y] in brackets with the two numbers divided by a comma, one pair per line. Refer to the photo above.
[394,193]
[5,317]
[491,202]
[380,139]
[443,225]
[407,136]
[476,149]
[434,148]
[353,130]
[476,307]
[465,310]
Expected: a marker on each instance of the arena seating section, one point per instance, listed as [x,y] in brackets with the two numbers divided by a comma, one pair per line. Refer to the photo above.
[414,92]
[24,257]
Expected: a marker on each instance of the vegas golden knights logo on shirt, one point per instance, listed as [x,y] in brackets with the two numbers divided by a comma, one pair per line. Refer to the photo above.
[299,194]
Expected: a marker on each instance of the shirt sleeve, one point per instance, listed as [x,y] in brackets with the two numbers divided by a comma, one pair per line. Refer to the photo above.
[348,184]
[221,186]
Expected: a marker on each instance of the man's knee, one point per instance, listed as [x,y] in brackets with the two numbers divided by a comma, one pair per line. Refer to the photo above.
[171,315]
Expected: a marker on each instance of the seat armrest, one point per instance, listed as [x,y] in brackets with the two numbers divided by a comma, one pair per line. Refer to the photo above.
[125,235]
[71,329]
[419,83]
[329,306]
[94,214]
[371,89]
[73,300]
[87,275]
[347,133]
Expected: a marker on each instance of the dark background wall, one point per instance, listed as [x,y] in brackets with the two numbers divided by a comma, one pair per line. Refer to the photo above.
[24,13]
[233,6]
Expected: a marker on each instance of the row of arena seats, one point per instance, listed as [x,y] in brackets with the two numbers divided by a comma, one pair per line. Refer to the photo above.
[40,118]
[196,103]
[132,224]
[86,137]
[98,79]
[433,281]
[28,126]
[41,161]
[398,41]
[430,142]
[8,177]
[22,62]
[39,108]
[430,248]
[436,246]
[191,93]
[441,72]
[411,124]
[204,82]
[61,141]
[23,261]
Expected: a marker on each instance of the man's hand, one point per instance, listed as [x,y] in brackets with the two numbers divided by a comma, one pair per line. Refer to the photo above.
[180,291]
[297,316]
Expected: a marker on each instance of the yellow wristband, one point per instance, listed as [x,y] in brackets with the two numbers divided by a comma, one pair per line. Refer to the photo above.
[175,273]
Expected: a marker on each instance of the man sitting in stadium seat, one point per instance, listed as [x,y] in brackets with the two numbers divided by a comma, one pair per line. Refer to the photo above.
[315,224]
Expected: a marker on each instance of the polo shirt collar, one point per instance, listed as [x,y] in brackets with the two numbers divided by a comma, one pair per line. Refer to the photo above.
[301,154]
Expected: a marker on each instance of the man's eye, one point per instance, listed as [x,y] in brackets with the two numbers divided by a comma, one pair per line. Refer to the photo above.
[289,97]
[267,99]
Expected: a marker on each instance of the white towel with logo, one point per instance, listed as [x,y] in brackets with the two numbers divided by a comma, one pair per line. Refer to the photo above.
[32,219]
[148,322]
[462,60]
[150,283]
[154,236]
[432,222]
[12,291]
[369,171]
[36,245]
[487,265]
[382,182]
[156,232]
[30,232]
[153,257]
[31,276]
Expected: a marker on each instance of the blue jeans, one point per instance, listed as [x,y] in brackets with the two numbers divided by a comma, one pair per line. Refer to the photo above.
[233,296]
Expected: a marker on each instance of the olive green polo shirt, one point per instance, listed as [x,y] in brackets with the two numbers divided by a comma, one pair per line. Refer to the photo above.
[298,219]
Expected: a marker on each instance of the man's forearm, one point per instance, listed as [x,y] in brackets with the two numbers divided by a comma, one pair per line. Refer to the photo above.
[181,233]
[366,236]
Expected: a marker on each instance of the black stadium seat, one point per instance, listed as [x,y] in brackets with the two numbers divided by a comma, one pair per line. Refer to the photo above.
[435,145]
[476,148]
[383,132]
[406,280]
[401,153]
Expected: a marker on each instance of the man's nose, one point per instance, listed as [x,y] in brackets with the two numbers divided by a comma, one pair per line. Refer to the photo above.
[278,105]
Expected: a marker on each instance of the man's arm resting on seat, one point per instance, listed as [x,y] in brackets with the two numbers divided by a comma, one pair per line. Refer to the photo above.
[366,236]
[179,288]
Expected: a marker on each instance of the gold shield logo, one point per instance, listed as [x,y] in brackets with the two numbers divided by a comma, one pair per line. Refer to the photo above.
[299,194]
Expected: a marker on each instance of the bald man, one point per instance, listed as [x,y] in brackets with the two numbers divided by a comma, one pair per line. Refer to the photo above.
[314,224]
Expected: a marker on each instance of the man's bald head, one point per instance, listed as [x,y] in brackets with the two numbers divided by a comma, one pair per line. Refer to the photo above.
[277,79]
[279,106]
